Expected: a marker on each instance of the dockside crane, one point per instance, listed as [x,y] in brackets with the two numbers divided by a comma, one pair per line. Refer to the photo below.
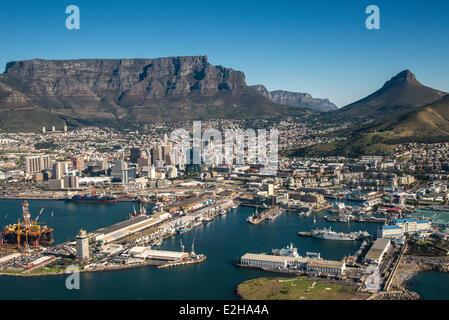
[40,212]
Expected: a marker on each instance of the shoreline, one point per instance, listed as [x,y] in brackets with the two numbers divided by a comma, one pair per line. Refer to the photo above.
[410,266]
[115,268]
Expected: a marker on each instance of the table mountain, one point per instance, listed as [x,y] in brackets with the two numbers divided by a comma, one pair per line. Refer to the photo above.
[162,89]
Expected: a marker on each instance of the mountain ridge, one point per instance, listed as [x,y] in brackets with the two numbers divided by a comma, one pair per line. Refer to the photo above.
[296,99]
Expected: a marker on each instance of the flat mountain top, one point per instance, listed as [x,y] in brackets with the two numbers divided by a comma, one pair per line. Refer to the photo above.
[141,90]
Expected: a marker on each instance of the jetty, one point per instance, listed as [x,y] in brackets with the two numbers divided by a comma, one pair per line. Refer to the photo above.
[258,217]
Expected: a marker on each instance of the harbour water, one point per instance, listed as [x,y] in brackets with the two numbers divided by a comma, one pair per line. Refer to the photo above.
[224,240]
[430,285]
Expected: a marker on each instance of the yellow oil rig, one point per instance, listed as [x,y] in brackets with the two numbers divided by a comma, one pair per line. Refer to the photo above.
[28,232]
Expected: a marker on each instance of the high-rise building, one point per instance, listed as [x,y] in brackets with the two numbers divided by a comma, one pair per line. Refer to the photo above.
[36,164]
[135,154]
[59,170]
[166,150]
[129,174]
[82,245]
[65,127]
[118,167]
[143,162]
[156,154]
[78,163]
[71,182]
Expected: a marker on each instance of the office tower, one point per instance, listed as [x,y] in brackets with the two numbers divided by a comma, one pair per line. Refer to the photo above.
[59,170]
[82,245]
[156,154]
[118,167]
[36,164]
[135,154]
[78,163]
[166,150]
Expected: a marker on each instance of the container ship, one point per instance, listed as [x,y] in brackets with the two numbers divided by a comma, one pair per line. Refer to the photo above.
[28,232]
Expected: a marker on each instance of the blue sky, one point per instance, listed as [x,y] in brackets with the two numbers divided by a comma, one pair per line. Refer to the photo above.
[316,46]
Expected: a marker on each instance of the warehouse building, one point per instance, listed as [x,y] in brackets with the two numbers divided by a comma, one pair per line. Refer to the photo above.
[312,266]
[125,228]
[378,250]
[148,253]
[316,266]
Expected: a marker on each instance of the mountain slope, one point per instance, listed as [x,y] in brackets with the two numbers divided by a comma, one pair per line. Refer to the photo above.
[142,90]
[427,124]
[297,99]
[401,94]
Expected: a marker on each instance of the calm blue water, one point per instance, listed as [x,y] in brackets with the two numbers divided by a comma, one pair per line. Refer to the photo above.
[223,240]
[431,285]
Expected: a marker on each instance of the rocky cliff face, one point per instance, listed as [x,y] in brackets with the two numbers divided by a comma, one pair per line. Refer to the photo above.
[107,87]
[296,99]
[163,89]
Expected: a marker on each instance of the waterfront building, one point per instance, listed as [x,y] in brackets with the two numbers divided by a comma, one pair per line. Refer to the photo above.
[264,261]
[403,226]
[309,265]
[71,182]
[148,253]
[82,245]
[378,250]
[316,266]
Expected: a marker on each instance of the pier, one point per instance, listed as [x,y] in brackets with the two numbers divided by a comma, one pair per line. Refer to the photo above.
[264,215]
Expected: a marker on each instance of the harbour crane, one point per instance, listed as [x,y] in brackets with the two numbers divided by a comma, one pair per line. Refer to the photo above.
[40,212]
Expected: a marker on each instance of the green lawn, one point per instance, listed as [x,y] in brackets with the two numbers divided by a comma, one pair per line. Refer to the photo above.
[296,289]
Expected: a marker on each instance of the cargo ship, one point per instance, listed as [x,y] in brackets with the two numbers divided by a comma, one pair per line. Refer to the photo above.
[28,232]
[328,234]
[146,200]
[93,198]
